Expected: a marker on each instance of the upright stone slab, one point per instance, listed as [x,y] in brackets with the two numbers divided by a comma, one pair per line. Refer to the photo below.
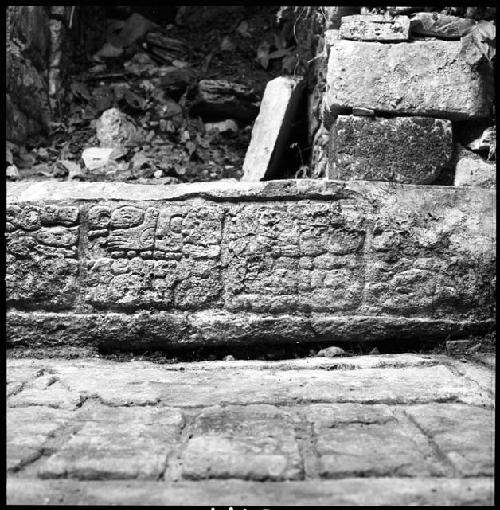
[375,27]
[410,150]
[417,78]
[272,128]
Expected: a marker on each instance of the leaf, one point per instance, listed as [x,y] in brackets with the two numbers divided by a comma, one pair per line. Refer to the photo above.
[79,89]
[133,100]
[279,53]
[288,64]
[227,44]
[263,54]
[242,29]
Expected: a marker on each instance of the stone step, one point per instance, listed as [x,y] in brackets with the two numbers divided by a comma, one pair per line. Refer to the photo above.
[277,260]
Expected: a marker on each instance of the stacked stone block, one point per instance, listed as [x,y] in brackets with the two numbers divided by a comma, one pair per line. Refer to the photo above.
[393,99]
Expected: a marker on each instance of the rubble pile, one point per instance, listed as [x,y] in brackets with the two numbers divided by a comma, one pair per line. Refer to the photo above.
[162,102]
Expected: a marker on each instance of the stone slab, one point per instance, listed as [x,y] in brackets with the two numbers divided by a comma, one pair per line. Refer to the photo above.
[131,443]
[272,128]
[444,26]
[347,492]
[28,431]
[417,78]
[311,260]
[411,150]
[466,439]
[375,27]
[147,384]
[254,442]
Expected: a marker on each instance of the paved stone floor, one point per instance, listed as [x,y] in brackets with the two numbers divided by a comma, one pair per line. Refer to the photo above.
[369,430]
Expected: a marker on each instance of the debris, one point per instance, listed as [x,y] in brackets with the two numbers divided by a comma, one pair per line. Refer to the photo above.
[374,351]
[12,173]
[458,346]
[243,29]
[440,25]
[134,28]
[485,142]
[472,170]
[228,125]
[158,174]
[108,51]
[223,99]
[263,54]
[74,170]
[479,44]
[96,157]
[227,44]
[272,128]
[229,357]
[114,129]
[331,352]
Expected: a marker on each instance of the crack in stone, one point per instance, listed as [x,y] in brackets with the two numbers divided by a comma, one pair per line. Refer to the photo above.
[440,455]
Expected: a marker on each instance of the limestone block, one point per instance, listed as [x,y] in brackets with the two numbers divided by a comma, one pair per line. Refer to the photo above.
[248,260]
[418,78]
[127,446]
[444,26]
[466,439]
[472,170]
[272,128]
[375,27]
[114,129]
[248,442]
[411,150]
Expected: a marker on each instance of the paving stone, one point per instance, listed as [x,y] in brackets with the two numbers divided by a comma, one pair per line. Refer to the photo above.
[410,150]
[482,376]
[28,430]
[254,442]
[272,128]
[369,27]
[135,443]
[154,384]
[464,434]
[368,441]
[417,78]
[46,390]
[347,492]
[434,24]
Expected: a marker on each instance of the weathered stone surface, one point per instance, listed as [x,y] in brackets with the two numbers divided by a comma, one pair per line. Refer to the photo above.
[149,384]
[127,443]
[417,78]
[255,442]
[363,440]
[28,430]
[347,492]
[472,170]
[114,129]
[444,26]
[410,150]
[46,390]
[465,438]
[272,128]
[221,99]
[375,27]
[368,258]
